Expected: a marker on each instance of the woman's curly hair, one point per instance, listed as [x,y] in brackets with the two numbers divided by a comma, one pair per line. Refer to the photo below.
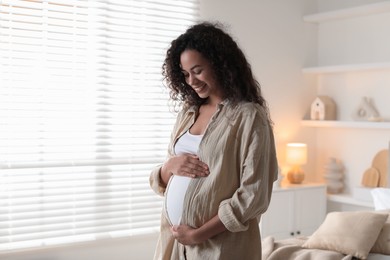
[229,63]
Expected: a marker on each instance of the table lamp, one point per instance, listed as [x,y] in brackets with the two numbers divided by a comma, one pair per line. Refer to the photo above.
[296,155]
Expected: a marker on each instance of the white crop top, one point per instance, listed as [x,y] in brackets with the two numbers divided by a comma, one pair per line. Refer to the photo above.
[178,185]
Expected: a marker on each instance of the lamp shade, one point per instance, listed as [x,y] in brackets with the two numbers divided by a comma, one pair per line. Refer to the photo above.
[296,153]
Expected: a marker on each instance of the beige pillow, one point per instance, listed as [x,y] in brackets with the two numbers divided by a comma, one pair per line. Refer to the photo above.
[350,233]
[382,244]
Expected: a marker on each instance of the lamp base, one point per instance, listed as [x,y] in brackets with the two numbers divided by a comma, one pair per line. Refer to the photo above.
[296,176]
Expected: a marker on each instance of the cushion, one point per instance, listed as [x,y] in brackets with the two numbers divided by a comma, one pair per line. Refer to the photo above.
[381,198]
[350,233]
[382,244]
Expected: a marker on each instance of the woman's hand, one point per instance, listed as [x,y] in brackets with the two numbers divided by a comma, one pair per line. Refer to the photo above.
[184,165]
[185,235]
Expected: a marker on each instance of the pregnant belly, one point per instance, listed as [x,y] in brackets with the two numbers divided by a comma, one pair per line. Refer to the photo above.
[174,197]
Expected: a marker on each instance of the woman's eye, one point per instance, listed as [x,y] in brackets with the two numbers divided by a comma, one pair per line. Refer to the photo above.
[197,72]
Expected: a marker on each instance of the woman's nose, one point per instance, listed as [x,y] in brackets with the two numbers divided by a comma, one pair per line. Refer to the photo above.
[191,79]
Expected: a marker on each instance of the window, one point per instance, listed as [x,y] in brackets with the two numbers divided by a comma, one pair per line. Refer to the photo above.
[83,117]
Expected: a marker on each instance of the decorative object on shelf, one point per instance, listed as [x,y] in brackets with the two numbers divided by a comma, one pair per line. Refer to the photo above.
[381,198]
[366,111]
[381,163]
[371,178]
[334,176]
[378,174]
[296,155]
[323,108]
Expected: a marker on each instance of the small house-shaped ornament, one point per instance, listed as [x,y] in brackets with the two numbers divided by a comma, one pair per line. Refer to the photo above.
[366,111]
[323,108]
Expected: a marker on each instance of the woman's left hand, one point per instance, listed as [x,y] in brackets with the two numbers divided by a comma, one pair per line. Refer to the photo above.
[185,235]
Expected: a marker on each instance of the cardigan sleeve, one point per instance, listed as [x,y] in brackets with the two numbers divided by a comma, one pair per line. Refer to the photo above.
[156,182]
[259,169]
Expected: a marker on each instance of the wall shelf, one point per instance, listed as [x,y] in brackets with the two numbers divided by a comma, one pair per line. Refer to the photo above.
[346,68]
[351,51]
[347,124]
[351,12]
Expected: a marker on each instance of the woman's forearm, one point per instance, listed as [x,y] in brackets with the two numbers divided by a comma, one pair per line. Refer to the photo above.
[187,235]
[210,229]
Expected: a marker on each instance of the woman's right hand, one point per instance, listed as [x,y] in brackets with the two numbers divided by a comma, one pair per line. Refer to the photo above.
[184,165]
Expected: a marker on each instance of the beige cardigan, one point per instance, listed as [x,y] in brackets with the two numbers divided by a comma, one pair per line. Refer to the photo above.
[238,146]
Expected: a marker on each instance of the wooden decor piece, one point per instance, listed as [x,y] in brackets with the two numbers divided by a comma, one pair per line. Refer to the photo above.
[380,162]
[370,178]
[378,174]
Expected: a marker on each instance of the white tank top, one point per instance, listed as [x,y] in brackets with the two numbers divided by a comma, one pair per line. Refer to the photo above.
[178,185]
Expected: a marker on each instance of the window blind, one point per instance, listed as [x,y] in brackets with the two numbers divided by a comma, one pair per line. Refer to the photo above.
[83,117]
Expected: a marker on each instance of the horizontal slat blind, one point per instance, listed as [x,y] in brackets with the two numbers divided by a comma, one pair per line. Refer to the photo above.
[83,117]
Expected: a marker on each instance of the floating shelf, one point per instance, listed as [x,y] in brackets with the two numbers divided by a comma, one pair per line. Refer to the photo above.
[346,68]
[362,10]
[347,124]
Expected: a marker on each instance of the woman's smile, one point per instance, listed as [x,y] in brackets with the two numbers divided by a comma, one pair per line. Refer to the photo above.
[200,89]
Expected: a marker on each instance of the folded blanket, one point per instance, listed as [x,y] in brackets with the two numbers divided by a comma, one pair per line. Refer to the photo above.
[290,249]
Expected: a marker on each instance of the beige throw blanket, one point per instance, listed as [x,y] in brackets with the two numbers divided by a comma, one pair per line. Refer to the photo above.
[291,249]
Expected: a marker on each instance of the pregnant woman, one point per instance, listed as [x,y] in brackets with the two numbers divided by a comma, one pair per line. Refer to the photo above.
[217,180]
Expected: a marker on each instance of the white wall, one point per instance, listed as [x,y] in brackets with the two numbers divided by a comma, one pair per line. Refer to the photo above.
[278,44]
[362,39]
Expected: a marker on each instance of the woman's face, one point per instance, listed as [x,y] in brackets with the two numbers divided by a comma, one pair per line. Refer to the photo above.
[200,75]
